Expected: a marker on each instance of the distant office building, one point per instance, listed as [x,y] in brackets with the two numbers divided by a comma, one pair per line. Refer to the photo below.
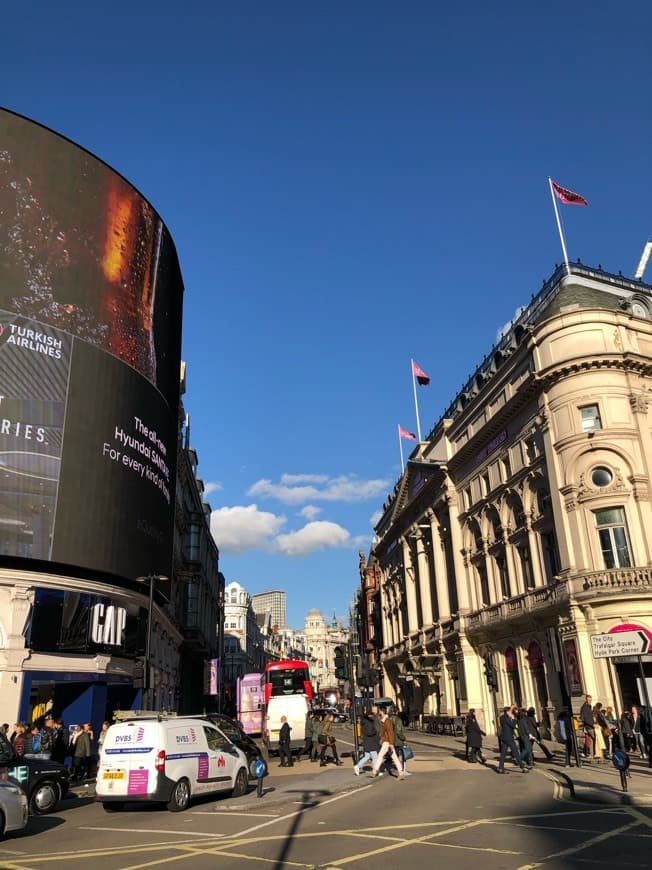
[272,603]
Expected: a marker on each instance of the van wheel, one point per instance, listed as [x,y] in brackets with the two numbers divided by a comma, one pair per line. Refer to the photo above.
[241,783]
[113,807]
[180,797]
[44,798]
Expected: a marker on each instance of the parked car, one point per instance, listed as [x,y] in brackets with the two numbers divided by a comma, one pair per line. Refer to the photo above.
[44,782]
[337,715]
[13,808]
[158,759]
[234,731]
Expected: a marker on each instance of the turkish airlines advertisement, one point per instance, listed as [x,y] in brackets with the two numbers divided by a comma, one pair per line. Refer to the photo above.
[90,340]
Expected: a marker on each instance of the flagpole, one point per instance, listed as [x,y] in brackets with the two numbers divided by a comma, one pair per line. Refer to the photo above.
[561,234]
[416,404]
[400,447]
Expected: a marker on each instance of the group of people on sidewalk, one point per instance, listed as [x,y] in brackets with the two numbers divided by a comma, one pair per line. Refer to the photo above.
[383,739]
[599,733]
[518,732]
[48,738]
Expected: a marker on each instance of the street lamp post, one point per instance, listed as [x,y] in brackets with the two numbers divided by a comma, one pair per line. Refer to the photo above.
[147,678]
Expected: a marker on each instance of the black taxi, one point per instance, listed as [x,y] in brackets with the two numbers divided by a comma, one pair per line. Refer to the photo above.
[44,782]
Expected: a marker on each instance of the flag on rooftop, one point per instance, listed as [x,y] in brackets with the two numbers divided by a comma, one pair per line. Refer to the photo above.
[420,375]
[409,436]
[568,197]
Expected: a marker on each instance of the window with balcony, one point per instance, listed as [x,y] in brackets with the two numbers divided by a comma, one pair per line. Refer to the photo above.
[612,533]
[590,418]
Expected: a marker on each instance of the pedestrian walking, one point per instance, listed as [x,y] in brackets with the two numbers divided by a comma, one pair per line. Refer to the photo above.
[284,749]
[526,738]
[399,738]
[474,735]
[507,741]
[535,727]
[370,743]
[386,746]
[307,748]
[329,743]
[637,731]
[564,734]
[587,723]
[60,741]
[82,751]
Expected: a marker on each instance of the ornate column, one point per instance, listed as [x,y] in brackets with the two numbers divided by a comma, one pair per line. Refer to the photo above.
[423,570]
[409,571]
[441,574]
[456,547]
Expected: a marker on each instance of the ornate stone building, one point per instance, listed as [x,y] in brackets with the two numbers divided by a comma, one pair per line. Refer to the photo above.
[520,527]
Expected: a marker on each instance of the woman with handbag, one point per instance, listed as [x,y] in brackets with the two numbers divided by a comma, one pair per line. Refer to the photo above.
[328,741]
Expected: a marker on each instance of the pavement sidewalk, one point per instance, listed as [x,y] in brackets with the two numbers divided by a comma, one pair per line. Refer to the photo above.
[593,782]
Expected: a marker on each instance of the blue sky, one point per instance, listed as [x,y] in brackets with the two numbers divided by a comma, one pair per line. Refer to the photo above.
[348,185]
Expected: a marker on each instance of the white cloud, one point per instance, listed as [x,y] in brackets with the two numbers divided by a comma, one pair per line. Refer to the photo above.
[310,511]
[290,479]
[374,519]
[346,488]
[241,528]
[212,486]
[320,535]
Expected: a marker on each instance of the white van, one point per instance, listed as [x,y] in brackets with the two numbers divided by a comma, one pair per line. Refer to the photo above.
[167,759]
[295,708]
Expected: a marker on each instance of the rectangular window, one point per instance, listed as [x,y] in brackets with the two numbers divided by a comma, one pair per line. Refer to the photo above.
[529,450]
[590,418]
[505,467]
[612,533]
[526,566]
[484,583]
[468,500]
[485,484]
[550,556]
[504,576]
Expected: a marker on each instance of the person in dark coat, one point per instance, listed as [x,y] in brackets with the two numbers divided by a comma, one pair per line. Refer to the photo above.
[526,737]
[309,749]
[284,743]
[474,735]
[507,741]
[535,728]
[370,743]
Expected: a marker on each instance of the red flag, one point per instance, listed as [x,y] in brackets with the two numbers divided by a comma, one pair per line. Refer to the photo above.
[420,375]
[409,436]
[567,196]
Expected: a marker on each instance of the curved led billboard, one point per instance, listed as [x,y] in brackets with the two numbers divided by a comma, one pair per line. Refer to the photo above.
[90,337]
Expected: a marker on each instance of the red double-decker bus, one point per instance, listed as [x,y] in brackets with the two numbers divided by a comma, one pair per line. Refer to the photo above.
[289,677]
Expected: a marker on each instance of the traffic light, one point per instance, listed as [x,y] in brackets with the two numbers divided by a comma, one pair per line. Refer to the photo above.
[490,673]
[341,663]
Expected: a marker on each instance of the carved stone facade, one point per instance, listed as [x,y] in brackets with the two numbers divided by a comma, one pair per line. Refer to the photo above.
[520,526]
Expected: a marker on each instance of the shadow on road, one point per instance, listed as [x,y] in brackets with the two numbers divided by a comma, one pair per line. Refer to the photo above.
[309,799]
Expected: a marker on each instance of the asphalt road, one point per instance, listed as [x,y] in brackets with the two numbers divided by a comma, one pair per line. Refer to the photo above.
[450,816]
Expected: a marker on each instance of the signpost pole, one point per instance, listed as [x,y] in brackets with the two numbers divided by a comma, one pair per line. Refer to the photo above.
[641,669]
[613,695]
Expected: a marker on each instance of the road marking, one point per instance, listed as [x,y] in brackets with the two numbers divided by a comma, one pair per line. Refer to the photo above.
[587,844]
[215,813]
[152,831]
